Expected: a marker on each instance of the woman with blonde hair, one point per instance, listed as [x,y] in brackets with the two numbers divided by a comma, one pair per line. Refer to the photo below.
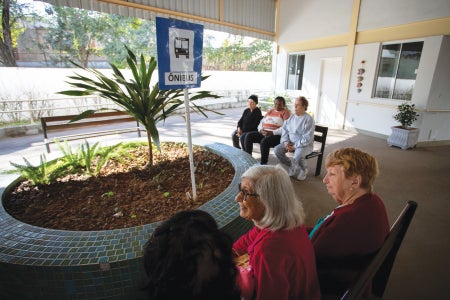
[344,239]
[279,251]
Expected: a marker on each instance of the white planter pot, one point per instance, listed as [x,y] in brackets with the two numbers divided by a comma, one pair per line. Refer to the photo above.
[403,138]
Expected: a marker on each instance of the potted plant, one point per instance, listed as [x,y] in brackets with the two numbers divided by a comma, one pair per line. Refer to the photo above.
[404,136]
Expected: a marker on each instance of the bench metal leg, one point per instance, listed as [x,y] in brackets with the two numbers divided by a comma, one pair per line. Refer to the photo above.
[47,146]
[318,165]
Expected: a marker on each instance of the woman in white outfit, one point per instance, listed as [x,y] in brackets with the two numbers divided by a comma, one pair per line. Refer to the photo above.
[298,137]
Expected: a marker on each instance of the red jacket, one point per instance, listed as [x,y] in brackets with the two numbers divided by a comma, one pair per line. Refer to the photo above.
[283,263]
[346,239]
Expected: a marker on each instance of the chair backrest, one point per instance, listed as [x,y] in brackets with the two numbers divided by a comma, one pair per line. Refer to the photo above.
[321,138]
[380,266]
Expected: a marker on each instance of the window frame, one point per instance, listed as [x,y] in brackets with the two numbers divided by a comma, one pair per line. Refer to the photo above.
[298,81]
[398,60]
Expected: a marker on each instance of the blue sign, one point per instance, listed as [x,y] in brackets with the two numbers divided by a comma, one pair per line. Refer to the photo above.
[180,46]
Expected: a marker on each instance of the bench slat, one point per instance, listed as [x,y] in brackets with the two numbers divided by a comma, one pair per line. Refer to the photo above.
[95,115]
[60,126]
[78,136]
[58,123]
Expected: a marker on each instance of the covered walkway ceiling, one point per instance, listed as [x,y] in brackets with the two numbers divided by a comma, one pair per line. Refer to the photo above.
[254,18]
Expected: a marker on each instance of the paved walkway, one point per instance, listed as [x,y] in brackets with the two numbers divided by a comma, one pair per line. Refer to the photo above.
[215,128]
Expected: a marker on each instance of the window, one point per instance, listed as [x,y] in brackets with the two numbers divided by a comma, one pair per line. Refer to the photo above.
[295,72]
[397,70]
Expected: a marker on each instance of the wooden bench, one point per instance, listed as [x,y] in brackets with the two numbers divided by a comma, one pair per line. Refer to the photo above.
[320,136]
[59,123]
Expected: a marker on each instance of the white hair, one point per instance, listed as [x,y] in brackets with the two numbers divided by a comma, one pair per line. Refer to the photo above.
[275,190]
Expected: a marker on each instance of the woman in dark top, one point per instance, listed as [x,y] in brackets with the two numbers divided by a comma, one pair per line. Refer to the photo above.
[248,122]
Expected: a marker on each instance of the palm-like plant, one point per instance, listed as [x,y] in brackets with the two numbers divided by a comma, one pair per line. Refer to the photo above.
[146,104]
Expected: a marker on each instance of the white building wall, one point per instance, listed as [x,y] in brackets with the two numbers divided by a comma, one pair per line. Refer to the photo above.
[363,112]
[312,19]
[34,83]
[440,87]
[384,13]
[375,114]
[311,77]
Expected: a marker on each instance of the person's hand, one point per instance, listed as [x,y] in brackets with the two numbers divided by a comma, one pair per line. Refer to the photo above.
[266,132]
[238,132]
[290,147]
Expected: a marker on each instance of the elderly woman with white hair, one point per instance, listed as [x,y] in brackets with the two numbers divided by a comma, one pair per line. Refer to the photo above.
[280,254]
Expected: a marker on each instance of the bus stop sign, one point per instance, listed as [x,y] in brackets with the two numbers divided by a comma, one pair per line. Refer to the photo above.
[180,46]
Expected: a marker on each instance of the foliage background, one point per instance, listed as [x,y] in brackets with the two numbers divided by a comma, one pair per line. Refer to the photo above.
[50,36]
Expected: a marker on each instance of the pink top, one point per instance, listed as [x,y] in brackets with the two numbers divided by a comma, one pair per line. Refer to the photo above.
[283,263]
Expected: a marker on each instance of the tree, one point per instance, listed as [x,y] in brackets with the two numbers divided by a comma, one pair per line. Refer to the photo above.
[147,104]
[261,56]
[138,34]
[80,35]
[76,34]
[10,30]
[237,54]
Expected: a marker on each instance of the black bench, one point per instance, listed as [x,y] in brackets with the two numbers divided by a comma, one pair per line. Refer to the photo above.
[320,136]
[59,123]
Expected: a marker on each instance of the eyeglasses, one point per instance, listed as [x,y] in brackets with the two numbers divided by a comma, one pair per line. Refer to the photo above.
[244,193]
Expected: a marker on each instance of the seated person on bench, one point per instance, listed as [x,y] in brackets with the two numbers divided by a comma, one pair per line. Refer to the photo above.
[248,122]
[269,130]
[298,137]
[349,235]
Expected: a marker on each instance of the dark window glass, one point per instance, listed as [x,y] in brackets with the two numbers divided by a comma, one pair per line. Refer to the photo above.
[397,70]
[295,72]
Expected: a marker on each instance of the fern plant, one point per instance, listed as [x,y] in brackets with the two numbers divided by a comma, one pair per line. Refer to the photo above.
[86,157]
[71,159]
[101,156]
[44,173]
[85,160]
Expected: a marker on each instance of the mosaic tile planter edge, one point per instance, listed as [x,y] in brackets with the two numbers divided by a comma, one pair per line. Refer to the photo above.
[41,263]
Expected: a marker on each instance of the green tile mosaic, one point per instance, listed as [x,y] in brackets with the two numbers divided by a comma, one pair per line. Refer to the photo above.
[39,263]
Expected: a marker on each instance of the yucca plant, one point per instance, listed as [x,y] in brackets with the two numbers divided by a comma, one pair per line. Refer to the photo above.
[147,104]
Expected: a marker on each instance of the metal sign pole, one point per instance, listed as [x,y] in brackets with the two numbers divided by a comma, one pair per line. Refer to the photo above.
[191,153]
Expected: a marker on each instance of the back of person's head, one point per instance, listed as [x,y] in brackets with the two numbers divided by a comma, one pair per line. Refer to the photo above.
[274,187]
[188,257]
[355,162]
[254,98]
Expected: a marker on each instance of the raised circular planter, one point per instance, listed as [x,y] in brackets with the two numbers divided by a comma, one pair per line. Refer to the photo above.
[41,263]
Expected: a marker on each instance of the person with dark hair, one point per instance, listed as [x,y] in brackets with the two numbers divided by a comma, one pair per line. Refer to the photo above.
[269,130]
[347,237]
[297,136]
[280,254]
[188,257]
[248,122]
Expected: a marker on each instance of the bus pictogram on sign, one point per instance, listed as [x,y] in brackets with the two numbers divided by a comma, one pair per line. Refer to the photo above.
[181,46]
